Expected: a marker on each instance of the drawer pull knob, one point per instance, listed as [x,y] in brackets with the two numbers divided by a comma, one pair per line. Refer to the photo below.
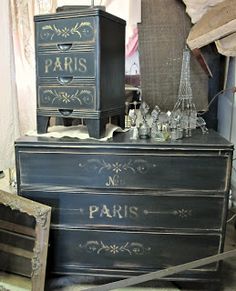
[65,112]
[64,80]
[64,47]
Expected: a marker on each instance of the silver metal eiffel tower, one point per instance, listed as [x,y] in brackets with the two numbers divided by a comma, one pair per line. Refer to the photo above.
[184,106]
[185,89]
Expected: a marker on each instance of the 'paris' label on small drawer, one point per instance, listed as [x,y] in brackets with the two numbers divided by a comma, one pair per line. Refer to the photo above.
[79,64]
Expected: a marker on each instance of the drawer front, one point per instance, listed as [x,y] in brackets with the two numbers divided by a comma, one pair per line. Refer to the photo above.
[66,66]
[127,171]
[69,97]
[131,211]
[69,31]
[105,250]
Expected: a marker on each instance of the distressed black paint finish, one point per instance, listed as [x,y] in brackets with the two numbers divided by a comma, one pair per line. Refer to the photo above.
[126,171]
[85,49]
[133,210]
[129,250]
[129,207]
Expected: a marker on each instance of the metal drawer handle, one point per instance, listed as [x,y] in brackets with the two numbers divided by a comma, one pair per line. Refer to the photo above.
[64,47]
[65,112]
[64,80]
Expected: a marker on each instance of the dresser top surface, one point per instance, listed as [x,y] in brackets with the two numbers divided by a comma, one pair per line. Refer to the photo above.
[122,140]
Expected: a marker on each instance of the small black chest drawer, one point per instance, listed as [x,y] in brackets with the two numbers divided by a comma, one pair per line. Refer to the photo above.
[80,68]
[60,32]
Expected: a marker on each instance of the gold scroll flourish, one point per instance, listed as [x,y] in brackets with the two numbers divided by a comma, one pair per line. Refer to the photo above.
[79,29]
[83,96]
[133,248]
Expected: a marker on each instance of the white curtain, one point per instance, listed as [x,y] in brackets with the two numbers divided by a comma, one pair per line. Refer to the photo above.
[9,119]
[17,66]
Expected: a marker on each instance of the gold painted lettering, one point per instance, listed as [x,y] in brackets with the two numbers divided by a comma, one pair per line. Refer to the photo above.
[92,209]
[57,65]
[67,64]
[133,211]
[82,65]
[113,181]
[48,63]
[75,60]
[105,211]
[116,211]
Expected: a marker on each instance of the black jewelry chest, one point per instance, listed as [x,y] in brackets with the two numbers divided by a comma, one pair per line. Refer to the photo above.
[80,67]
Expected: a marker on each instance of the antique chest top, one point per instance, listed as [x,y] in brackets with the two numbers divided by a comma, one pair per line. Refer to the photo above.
[122,140]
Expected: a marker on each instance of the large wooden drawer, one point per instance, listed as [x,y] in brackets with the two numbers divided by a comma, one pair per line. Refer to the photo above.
[172,171]
[76,250]
[132,211]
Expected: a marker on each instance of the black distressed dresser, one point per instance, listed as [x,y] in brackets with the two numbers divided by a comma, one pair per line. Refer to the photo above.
[80,65]
[126,207]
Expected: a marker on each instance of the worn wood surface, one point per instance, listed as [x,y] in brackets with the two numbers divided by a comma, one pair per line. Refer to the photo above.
[23,249]
[216,23]
[227,45]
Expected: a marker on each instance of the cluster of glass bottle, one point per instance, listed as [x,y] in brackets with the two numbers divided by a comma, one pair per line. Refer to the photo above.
[174,124]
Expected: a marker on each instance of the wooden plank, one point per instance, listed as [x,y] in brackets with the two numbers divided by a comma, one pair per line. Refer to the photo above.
[215,24]
[16,251]
[16,228]
[227,45]
[162,273]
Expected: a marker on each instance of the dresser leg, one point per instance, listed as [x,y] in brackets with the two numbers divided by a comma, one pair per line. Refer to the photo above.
[42,123]
[121,121]
[118,120]
[96,127]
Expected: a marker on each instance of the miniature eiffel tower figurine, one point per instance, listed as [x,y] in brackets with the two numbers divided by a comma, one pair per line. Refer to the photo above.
[184,105]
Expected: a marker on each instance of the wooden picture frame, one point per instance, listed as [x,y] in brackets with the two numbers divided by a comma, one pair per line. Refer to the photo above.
[24,233]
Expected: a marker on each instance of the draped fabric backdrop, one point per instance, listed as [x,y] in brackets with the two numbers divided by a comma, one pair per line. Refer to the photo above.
[9,119]
[22,17]
[17,82]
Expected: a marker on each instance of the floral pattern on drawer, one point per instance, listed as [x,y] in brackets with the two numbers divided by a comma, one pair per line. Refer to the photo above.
[74,30]
[68,97]
[85,169]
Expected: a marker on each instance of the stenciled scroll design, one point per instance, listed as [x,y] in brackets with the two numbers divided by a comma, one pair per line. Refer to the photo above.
[129,248]
[136,166]
[180,213]
[83,29]
[84,96]
[116,169]
[183,213]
